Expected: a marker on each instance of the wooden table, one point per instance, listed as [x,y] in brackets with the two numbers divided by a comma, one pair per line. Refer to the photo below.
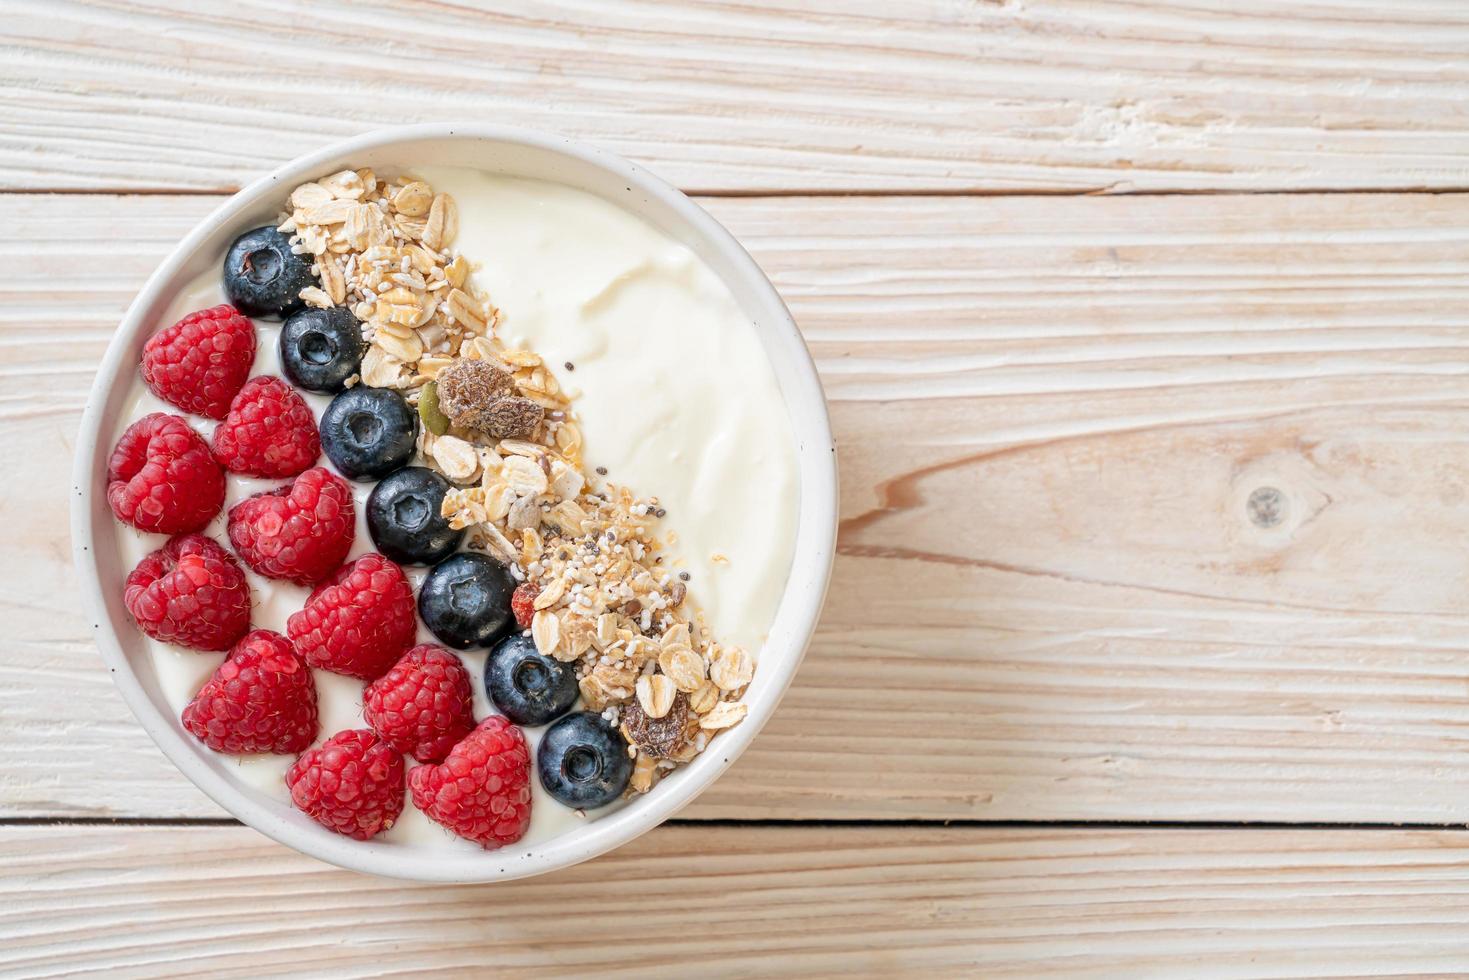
[1146,331]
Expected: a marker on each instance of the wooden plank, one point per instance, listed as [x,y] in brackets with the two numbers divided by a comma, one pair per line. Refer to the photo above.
[1054,599]
[747,902]
[1040,95]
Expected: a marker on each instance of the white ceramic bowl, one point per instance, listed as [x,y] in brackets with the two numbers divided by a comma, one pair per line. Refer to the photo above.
[516,153]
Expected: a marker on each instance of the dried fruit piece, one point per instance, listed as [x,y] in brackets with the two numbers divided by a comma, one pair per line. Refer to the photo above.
[477,395]
[658,737]
[521,603]
[513,418]
[468,386]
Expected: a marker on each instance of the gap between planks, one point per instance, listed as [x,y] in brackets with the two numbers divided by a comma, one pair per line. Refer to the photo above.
[839,193]
[839,824]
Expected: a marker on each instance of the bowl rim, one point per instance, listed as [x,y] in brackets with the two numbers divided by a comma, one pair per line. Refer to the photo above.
[812,557]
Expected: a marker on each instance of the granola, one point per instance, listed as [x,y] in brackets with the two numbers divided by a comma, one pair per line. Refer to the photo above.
[500,427]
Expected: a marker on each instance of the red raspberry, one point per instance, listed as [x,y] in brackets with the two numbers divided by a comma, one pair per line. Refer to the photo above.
[358,621]
[269,431]
[191,592]
[522,603]
[261,699]
[424,705]
[200,362]
[162,478]
[482,790]
[352,784]
[299,533]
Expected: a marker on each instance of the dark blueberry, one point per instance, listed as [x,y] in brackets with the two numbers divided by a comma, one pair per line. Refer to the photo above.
[368,433]
[527,686]
[263,277]
[465,600]
[321,349]
[403,517]
[582,761]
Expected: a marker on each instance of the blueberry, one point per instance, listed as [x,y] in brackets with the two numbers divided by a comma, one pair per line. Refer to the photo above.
[368,433]
[263,277]
[466,600]
[403,517]
[527,686]
[321,349]
[582,761]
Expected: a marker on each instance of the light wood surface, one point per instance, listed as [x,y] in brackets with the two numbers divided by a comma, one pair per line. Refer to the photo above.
[779,95]
[740,902]
[1051,600]
[1153,503]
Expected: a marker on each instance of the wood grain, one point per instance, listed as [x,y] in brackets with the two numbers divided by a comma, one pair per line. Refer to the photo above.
[1052,600]
[751,902]
[948,95]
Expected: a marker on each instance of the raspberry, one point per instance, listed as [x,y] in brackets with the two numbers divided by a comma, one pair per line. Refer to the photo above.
[269,431]
[190,592]
[358,621]
[352,784]
[522,603]
[162,478]
[261,699]
[200,362]
[482,790]
[424,705]
[300,532]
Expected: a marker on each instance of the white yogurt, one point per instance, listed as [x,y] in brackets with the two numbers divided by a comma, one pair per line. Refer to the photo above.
[675,397]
